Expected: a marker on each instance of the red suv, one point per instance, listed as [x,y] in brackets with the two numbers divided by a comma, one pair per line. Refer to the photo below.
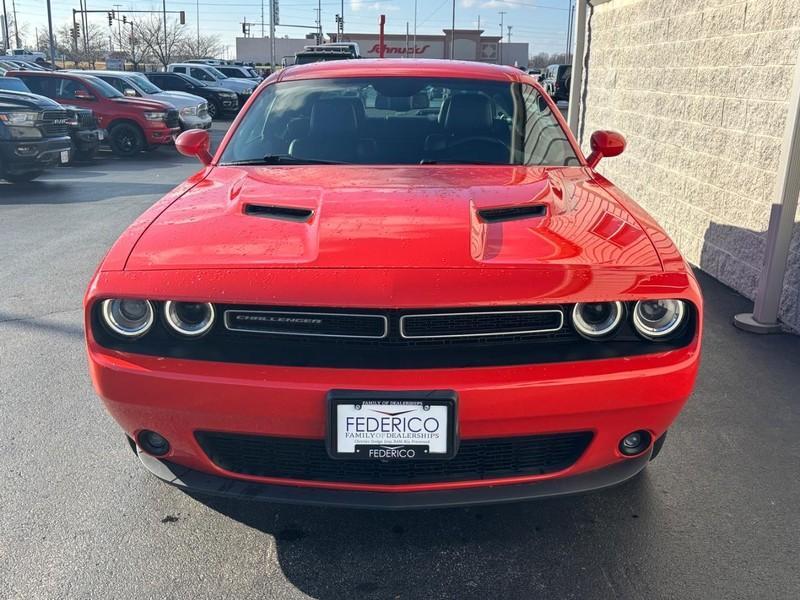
[133,124]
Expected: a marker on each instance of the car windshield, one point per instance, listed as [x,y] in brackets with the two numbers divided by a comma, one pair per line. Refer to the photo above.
[105,89]
[216,72]
[145,84]
[394,120]
[13,84]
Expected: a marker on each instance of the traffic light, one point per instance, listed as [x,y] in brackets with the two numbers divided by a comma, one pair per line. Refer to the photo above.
[244,29]
[77,30]
[124,19]
[183,18]
[110,18]
[73,32]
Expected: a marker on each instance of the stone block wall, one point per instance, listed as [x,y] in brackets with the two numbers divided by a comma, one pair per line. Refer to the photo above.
[699,88]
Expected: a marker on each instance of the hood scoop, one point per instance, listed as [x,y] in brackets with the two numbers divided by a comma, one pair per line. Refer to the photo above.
[283,213]
[512,213]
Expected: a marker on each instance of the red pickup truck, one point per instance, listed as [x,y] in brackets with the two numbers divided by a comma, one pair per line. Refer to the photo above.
[133,124]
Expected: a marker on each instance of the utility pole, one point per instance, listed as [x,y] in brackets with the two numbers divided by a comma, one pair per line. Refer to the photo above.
[415,27]
[166,42]
[50,34]
[453,34]
[341,22]
[406,55]
[16,23]
[271,34]
[319,21]
[198,24]
[262,16]
[500,43]
[570,14]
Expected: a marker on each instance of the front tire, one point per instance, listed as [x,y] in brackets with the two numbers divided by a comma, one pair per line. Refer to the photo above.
[126,139]
[214,110]
[22,177]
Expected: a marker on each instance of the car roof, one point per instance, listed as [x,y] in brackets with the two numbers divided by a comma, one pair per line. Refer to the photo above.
[402,67]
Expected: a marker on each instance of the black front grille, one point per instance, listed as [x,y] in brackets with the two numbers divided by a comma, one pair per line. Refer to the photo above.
[86,120]
[54,123]
[446,325]
[172,118]
[322,324]
[287,458]
[289,342]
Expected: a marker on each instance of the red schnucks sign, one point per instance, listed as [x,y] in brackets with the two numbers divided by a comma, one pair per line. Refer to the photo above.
[376,49]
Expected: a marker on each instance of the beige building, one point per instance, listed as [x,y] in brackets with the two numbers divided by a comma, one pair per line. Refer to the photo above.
[700,89]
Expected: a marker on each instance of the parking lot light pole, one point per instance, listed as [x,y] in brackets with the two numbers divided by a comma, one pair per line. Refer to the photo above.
[576,79]
[50,34]
[764,318]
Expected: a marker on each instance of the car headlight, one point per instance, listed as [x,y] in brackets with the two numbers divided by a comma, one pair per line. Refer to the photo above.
[189,111]
[656,319]
[127,318]
[596,320]
[24,119]
[191,319]
[155,116]
[247,92]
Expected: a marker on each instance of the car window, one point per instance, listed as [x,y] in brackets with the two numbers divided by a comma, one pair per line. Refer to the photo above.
[200,74]
[178,69]
[116,82]
[13,84]
[143,83]
[230,72]
[392,120]
[67,89]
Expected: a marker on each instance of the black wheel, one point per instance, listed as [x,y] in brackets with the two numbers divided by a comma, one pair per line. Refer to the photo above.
[659,443]
[126,139]
[22,177]
[77,156]
[214,110]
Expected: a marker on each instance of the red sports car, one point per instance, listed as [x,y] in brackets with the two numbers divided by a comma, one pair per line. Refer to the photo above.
[397,283]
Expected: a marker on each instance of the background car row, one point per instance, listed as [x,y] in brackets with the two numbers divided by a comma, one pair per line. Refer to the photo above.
[49,117]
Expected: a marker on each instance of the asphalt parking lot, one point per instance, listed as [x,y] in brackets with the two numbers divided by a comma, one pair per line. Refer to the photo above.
[717,515]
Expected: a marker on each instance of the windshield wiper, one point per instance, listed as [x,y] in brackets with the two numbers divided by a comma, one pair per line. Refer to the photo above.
[459,161]
[281,159]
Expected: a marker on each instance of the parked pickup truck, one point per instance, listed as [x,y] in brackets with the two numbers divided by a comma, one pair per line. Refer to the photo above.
[33,136]
[133,124]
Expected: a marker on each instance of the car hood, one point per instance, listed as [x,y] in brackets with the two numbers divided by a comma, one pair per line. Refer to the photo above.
[394,217]
[144,103]
[237,85]
[25,100]
[178,99]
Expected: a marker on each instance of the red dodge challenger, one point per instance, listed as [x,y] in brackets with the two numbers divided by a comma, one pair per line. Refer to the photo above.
[398,284]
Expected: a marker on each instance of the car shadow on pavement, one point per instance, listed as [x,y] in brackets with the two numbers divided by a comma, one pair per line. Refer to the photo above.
[519,550]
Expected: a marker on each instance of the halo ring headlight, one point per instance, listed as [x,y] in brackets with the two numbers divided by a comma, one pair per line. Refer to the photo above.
[127,318]
[596,320]
[656,319]
[190,319]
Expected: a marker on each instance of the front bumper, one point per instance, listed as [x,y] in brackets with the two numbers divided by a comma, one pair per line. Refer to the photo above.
[161,135]
[195,122]
[21,156]
[609,397]
[87,139]
[193,481]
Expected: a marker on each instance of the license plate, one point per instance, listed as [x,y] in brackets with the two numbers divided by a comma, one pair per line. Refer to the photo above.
[64,156]
[392,426]
[100,135]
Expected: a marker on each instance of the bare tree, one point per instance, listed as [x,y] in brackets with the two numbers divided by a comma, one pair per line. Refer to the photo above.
[128,41]
[162,48]
[206,45]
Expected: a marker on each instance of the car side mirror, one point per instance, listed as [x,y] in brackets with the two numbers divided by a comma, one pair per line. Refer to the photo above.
[195,142]
[82,95]
[605,143]
[130,92]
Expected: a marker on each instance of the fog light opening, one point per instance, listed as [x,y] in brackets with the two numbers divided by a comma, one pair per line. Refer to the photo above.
[635,443]
[152,442]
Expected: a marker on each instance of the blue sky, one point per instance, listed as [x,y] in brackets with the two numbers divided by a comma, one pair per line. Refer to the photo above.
[542,23]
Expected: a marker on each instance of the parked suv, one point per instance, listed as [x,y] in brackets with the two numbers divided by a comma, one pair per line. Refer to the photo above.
[192,110]
[133,124]
[220,100]
[556,81]
[243,87]
[33,136]
[82,127]
[240,72]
